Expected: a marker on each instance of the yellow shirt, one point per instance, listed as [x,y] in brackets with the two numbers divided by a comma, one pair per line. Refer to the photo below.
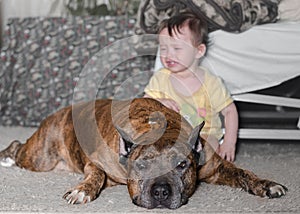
[204,104]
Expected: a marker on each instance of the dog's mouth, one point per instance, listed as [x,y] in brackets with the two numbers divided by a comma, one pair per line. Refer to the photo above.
[170,204]
[154,204]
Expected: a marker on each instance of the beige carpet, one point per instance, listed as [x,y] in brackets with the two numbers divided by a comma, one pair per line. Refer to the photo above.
[24,191]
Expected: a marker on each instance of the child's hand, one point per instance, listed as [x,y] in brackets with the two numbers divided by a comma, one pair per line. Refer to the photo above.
[170,104]
[226,151]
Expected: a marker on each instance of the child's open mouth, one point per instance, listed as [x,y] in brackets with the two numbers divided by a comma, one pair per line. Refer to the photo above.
[171,63]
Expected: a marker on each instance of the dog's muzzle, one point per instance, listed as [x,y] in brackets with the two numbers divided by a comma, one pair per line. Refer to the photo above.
[161,193]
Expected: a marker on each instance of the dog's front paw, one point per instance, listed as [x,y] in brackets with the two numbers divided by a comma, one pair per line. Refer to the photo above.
[77,197]
[276,190]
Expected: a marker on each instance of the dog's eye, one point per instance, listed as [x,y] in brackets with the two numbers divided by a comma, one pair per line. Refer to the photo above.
[182,164]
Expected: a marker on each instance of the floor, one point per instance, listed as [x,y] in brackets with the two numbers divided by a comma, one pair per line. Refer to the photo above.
[24,191]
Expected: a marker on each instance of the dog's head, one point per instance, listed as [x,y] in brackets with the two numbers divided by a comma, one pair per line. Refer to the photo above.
[161,163]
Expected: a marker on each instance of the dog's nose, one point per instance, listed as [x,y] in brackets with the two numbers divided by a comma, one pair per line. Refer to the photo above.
[161,191]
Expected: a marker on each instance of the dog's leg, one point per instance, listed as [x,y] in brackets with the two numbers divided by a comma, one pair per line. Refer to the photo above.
[47,153]
[89,188]
[221,172]
[7,156]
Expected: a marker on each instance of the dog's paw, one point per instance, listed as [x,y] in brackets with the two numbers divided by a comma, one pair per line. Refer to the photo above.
[276,191]
[77,197]
[7,162]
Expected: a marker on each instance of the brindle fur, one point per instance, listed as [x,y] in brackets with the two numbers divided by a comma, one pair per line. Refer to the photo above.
[55,144]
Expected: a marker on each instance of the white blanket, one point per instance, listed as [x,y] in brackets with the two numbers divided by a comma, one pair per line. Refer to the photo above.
[259,58]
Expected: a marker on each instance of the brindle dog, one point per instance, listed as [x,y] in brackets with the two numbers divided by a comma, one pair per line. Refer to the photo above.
[139,143]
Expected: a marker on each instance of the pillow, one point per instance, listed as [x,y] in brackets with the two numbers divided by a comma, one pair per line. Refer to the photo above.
[229,15]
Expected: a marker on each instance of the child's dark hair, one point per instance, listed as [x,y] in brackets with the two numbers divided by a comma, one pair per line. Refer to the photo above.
[197,25]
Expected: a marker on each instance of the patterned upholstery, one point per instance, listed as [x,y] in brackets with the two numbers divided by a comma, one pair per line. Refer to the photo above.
[228,15]
[42,59]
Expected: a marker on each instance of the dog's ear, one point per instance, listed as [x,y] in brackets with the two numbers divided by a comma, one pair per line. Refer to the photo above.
[196,144]
[194,138]
[125,145]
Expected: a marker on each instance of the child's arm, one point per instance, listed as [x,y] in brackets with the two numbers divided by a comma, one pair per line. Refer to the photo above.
[166,102]
[227,149]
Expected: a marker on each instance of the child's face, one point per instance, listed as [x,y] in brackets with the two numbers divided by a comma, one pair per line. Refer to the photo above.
[178,53]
